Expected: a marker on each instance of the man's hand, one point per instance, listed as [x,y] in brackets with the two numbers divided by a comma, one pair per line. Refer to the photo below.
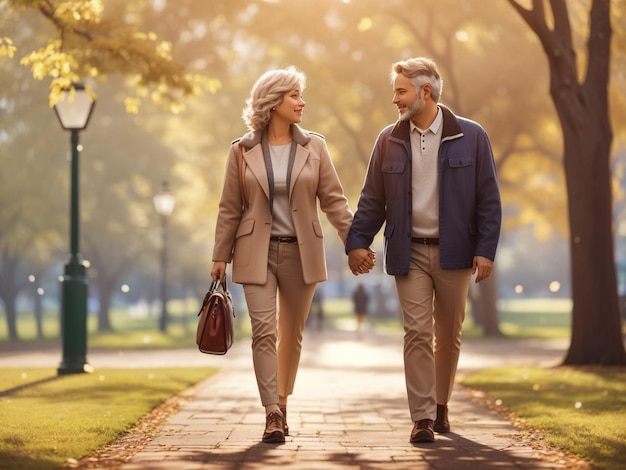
[361,260]
[483,266]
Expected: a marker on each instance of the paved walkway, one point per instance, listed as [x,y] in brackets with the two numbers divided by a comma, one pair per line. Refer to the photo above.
[349,410]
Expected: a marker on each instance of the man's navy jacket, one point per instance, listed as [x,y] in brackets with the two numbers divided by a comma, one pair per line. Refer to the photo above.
[470,211]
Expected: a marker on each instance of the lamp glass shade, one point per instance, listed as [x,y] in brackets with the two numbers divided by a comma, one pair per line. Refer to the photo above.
[164,202]
[74,109]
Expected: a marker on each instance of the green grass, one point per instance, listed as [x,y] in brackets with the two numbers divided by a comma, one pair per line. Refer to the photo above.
[182,315]
[581,411]
[528,318]
[128,332]
[48,419]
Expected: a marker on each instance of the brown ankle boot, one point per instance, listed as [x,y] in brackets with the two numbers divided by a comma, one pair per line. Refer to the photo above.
[274,433]
[422,431]
[442,425]
[285,425]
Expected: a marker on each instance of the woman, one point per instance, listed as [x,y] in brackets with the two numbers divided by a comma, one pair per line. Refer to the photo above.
[274,238]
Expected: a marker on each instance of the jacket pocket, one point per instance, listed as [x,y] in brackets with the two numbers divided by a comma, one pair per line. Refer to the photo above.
[393,166]
[459,161]
[317,229]
[243,244]
[245,228]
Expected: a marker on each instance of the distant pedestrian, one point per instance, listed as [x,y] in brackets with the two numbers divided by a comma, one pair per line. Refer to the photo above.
[316,313]
[360,300]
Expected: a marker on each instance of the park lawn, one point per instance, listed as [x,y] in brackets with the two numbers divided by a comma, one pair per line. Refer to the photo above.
[582,411]
[49,419]
[520,318]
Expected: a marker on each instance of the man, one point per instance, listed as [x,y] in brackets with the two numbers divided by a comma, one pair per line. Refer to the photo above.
[432,180]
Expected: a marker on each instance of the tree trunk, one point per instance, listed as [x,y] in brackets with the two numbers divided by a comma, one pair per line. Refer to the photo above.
[476,306]
[596,322]
[8,292]
[584,115]
[483,299]
[11,315]
[488,295]
[105,294]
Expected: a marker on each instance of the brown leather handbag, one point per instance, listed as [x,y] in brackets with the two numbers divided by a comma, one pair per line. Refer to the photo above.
[216,322]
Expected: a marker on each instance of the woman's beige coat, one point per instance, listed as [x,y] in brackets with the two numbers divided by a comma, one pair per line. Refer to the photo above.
[243,236]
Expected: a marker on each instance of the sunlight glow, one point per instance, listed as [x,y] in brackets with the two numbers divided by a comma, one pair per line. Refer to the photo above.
[365,24]
[462,36]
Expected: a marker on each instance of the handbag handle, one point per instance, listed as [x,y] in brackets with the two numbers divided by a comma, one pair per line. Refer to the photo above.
[216,284]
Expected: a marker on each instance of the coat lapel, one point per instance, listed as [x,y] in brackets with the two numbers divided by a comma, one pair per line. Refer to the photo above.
[256,165]
[302,155]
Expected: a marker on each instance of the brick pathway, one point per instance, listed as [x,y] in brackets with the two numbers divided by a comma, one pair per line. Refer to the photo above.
[349,411]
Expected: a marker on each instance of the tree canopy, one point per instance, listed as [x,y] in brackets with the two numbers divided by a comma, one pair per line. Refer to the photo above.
[89,42]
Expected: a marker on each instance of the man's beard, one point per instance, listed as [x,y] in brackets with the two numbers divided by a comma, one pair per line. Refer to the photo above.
[413,109]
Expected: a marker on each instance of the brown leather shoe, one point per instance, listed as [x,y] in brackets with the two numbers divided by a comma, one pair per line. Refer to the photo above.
[285,425]
[442,425]
[422,431]
[274,433]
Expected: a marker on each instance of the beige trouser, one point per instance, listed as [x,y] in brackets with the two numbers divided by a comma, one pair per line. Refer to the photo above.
[427,295]
[278,311]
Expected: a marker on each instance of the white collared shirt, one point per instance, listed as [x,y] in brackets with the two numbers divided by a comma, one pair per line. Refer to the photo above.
[425,178]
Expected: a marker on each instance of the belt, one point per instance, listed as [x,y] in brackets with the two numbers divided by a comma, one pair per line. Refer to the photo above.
[425,241]
[284,239]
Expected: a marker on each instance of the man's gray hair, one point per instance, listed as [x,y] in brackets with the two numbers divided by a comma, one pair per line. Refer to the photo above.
[420,71]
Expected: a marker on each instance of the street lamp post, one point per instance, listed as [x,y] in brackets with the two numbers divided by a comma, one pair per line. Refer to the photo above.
[74,110]
[164,202]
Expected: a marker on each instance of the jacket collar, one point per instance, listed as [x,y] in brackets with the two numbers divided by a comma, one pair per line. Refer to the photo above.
[299,135]
[451,127]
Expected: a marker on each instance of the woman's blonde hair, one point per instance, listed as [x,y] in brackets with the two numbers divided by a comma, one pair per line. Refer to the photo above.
[268,92]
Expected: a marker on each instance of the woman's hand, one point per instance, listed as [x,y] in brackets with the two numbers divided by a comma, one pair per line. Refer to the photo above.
[218,272]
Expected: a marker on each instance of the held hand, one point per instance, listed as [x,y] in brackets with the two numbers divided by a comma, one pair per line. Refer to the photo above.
[361,260]
[483,267]
[218,271]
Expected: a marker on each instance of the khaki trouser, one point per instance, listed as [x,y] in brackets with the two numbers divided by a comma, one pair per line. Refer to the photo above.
[278,311]
[427,295]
